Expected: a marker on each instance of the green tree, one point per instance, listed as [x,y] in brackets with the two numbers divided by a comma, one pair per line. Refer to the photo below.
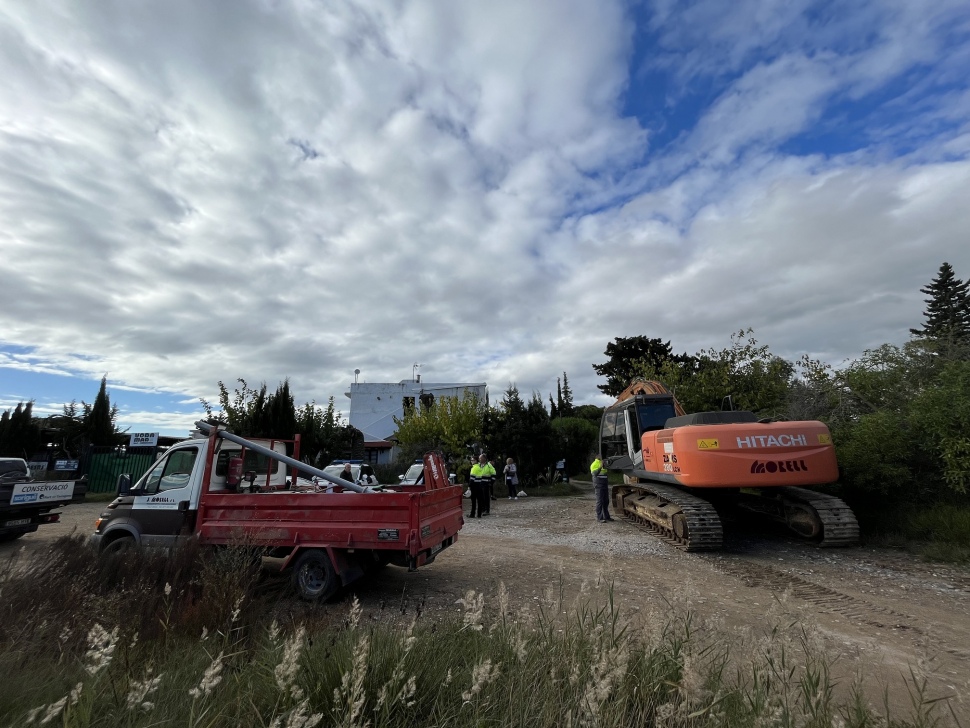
[19,433]
[940,416]
[256,413]
[565,398]
[448,424]
[628,356]
[100,417]
[589,412]
[747,371]
[574,440]
[67,429]
[947,315]
[323,437]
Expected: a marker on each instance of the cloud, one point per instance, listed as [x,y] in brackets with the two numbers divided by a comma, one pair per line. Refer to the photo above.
[193,193]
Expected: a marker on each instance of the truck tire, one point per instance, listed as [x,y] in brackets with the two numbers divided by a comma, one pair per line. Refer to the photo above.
[314,577]
[5,537]
[118,545]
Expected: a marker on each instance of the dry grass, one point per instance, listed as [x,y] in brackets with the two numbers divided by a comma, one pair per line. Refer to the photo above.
[192,638]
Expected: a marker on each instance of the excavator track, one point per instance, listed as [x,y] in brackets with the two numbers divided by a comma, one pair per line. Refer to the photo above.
[839,525]
[683,520]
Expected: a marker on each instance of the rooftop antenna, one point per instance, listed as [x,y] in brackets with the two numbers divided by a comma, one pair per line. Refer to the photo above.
[414,372]
[356,374]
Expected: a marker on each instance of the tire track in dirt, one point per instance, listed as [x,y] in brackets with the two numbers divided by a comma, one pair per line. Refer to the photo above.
[827,599]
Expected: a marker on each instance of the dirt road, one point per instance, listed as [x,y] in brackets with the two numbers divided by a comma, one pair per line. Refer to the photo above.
[879,612]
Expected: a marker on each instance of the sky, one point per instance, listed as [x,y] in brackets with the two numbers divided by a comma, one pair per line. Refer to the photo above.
[267,189]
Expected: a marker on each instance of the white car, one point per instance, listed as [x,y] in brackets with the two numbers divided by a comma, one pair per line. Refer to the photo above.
[415,474]
[13,469]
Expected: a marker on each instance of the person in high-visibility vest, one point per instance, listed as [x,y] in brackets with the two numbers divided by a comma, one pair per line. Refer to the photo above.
[480,478]
[602,488]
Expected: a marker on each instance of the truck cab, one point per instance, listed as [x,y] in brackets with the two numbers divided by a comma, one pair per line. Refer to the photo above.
[160,506]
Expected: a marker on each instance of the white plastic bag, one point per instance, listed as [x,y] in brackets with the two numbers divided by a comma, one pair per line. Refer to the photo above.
[468,493]
[522,494]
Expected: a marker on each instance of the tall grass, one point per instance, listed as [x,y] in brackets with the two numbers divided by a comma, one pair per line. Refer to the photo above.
[194,638]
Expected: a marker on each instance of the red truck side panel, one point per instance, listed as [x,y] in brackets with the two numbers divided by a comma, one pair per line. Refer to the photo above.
[400,521]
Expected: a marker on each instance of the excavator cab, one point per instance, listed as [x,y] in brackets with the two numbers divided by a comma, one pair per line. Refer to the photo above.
[623,425]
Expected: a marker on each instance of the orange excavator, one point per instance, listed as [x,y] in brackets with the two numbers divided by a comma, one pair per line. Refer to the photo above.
[682,471]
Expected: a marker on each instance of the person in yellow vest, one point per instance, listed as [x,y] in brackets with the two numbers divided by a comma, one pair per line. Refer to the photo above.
[480,480]
[602,489]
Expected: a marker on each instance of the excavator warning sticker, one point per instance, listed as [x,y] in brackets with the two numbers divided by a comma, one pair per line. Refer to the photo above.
[824,439]
[707,445]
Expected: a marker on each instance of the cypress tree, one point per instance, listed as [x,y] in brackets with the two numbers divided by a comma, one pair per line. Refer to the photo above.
[947,313]
[567,397]
[99,418]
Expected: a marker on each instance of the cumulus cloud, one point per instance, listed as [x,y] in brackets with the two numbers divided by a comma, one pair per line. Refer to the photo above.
[198,192]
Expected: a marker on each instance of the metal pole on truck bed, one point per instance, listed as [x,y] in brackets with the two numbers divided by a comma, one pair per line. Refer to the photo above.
[303,467]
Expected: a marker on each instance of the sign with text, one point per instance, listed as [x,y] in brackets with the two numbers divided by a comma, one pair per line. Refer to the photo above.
[42,492]
[143,439]
[65,464]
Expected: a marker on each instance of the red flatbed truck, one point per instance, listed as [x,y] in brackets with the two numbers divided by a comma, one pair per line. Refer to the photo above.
[325,536]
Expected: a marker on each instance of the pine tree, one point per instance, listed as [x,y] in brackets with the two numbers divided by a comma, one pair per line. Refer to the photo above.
[947,313]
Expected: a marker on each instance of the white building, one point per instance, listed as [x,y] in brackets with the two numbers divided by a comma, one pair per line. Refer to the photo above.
[373,408]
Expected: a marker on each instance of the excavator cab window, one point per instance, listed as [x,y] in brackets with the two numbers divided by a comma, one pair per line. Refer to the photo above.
[653,416]
[634,427]
[613,435]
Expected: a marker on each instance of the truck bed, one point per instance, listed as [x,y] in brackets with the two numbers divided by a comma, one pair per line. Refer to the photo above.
[412,520]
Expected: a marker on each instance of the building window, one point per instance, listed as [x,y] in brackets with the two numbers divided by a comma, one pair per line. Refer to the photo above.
[427,402]
[408,403]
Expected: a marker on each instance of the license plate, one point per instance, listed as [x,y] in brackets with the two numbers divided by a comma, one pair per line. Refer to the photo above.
[18,522]
[436,549]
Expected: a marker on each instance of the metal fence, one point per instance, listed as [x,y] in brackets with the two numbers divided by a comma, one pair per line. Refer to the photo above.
[103,465]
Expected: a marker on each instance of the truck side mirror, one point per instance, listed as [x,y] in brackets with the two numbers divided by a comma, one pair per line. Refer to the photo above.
[124,484]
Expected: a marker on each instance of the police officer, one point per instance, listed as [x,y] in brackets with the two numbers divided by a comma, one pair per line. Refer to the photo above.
[602,488]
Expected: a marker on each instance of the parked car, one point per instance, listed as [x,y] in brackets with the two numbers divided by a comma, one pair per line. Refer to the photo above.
[415,474]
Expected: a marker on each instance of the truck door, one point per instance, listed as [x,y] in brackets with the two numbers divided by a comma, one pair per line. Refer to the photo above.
[163,496]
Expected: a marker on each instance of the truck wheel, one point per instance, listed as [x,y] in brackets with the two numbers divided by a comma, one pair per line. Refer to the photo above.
[119,545]
[4,537]
[314,576]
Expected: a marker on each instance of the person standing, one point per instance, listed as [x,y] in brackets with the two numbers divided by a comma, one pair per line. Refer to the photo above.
[511,478]
[488,476]
[478,484]
[601,487]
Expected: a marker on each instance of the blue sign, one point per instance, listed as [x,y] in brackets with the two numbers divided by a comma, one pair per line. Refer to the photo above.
[65,464]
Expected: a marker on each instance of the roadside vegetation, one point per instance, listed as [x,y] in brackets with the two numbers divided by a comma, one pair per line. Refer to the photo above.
[200,639]
[899,415]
